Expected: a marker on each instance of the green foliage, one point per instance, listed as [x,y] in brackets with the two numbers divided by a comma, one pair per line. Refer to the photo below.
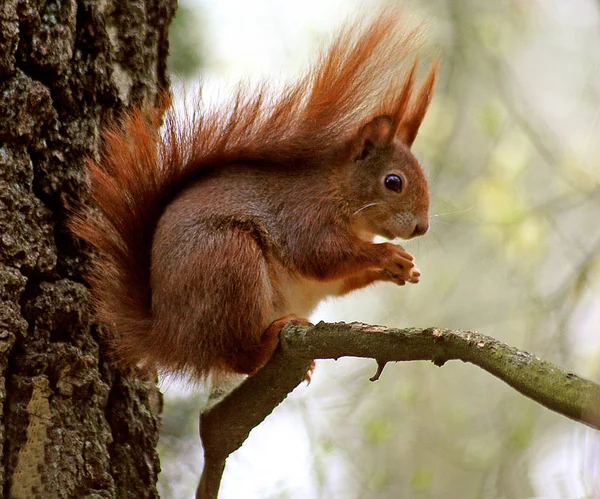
[378,430]
[422,480]
[186,41]
[491,118]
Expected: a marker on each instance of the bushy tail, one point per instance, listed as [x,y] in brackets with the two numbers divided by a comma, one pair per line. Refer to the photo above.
[131,184]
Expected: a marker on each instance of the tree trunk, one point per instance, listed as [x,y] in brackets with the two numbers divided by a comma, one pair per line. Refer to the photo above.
[71,424]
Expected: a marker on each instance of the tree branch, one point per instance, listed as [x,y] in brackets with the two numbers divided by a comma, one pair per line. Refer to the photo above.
[226,426]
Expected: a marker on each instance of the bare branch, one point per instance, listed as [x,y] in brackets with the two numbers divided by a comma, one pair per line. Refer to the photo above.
[226,426]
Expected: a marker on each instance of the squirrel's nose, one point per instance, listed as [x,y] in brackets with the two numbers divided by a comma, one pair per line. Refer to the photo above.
[421,227]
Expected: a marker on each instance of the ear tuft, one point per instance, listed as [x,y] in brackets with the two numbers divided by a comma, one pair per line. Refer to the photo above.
[377,133]
[411,121]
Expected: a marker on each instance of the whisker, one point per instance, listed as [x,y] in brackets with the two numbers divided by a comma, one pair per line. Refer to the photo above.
[365,206]
[453,212]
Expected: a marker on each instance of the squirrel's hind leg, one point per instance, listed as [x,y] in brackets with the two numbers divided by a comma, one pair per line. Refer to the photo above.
[250,361]
[213,306]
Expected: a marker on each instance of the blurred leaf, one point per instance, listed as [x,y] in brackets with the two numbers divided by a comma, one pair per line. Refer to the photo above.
[512,155]
[378,430]
[422,479]
[521,435]
[583,174]
[407,393]
[491,118]
[529,238]
[499,202]
[186,43]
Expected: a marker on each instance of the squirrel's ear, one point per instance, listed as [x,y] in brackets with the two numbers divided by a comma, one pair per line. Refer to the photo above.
[378,132]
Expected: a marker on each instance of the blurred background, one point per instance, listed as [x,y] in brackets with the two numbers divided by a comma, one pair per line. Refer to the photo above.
[512,149]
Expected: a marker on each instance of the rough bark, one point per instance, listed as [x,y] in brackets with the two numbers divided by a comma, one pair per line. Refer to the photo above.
[71,424]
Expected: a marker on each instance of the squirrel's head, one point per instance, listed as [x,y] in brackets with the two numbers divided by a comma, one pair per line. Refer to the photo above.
[387,193]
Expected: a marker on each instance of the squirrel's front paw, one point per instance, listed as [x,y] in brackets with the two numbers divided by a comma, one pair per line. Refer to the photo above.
[415,275]
[399,267]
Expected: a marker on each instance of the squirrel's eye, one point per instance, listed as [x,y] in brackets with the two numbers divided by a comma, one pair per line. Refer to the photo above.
[393,183]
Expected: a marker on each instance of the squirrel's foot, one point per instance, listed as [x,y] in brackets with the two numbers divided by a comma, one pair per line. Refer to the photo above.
[290,319]
[297,321]
[250,361]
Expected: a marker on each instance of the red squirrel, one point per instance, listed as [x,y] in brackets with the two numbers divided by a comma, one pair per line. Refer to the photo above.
[213,232]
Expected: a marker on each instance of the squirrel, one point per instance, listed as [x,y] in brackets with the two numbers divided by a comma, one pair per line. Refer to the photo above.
[213,232]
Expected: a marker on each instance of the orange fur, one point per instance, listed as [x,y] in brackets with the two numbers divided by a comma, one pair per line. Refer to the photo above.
[142,170]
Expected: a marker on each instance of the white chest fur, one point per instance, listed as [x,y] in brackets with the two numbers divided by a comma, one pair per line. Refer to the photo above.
[300,295]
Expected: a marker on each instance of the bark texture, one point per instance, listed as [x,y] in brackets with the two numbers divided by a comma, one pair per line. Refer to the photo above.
[71,425]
